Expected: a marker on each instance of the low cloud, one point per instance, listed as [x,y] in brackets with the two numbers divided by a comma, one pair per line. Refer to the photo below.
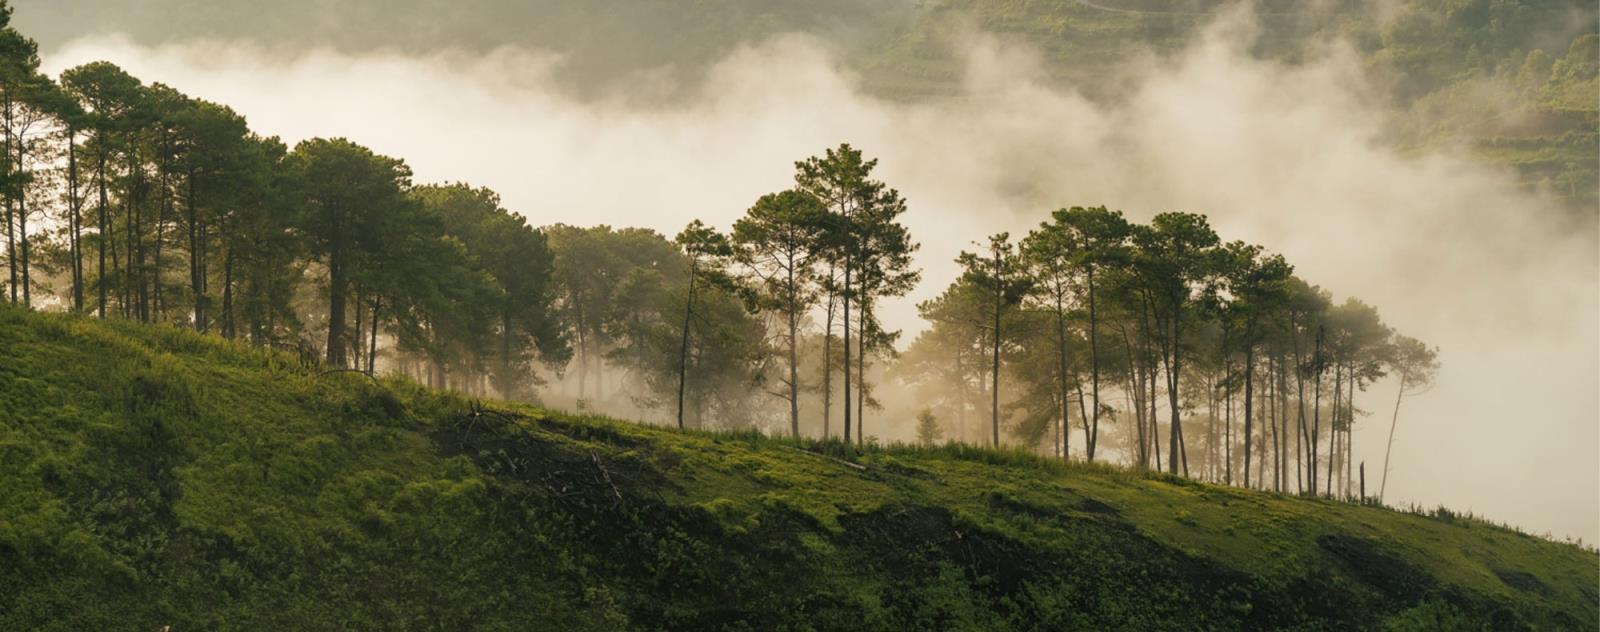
[1289,156]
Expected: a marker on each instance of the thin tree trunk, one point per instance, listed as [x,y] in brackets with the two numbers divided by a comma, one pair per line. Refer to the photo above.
[1283,408]
[1316,414]
[372,334]
[1174,367]
[1155,424]
[227,300]
[22,222]
[1136,391]
[1094,369]
[1061,376]
[337,283]
[1227,442]
[1271,405]
[861,372]
[1083,413]
[994,381]
[961,396]
[361,323]
[74,208]
[1333,427]
[1249,391]
[11,210]
[827,366]
[135,225]
[101,230]
[683,348]
[846,297]
[1394,421]
[794,361]
[1350,434]
[22,234]
[196,271]
[1362,499]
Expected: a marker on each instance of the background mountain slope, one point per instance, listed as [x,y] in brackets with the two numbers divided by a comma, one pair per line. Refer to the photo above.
[151,477]
[1512,82]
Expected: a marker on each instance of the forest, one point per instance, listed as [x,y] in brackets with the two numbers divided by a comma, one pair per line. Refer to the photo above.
[1197,355]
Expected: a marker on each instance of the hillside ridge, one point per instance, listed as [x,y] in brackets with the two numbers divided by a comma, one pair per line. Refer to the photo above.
[151,476]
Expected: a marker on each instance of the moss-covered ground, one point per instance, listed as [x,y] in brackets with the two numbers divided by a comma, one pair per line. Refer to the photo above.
[153,477]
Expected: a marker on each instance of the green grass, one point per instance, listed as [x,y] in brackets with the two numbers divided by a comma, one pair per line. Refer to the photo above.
[152,477]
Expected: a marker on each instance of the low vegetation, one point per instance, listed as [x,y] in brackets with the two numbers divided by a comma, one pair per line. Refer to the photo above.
[152,476]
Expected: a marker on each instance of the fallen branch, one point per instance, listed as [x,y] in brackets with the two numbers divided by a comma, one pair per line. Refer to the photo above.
[830,458]
[607,474]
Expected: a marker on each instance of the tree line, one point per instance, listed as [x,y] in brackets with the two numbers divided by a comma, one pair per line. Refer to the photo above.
[131,200]
[1160,329]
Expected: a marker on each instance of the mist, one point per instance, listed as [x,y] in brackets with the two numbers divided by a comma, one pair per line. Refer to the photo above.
[1292,157]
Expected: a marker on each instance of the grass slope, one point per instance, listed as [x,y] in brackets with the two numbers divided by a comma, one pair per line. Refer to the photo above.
[152,477]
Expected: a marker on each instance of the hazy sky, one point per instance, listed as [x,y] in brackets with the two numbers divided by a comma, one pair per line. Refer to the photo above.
[1291,157]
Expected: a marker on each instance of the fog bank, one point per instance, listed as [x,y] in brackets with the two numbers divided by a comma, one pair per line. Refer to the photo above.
[1290,157]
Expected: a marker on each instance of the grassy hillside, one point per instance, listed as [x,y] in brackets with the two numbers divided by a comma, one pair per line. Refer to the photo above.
[153,477]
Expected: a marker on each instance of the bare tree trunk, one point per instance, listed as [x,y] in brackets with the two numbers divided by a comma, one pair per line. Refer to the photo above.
[337,283]
[794,355]
[75,213]
[1249,391]
[360,337]
[163,172]
[1227,443]
[372,333]
[1083,414]
[1155,424]
[1316,415]
[1350,434]
[1061,377]
[683,349]
[1094,369]
[1271,405]
[1333,427]
[139,288]
[862,346]
[101,230]
[846,297]
[227,301]
[1136,388]
[827,362]
[11,228]
[1363,497]
[196,269]
[962,397]
[1136,391]
[22,222]
[22,234]
[994,381]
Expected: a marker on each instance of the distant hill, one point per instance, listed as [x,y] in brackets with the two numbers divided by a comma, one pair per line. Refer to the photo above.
[153,477]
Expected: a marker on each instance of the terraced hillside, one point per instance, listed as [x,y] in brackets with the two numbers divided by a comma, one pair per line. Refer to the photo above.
[153,477]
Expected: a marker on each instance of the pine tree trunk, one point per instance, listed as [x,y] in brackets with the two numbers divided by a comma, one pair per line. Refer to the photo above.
[1174,368]
[337,283]
[1249,393]
[1061,377]
[227,297]
[196,271]
[101,230]
[683,348]
[861,373]
[74,209]
[372,336]
[827,367]
[794,356]
[1094,370]
[994,381]
[846,298]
